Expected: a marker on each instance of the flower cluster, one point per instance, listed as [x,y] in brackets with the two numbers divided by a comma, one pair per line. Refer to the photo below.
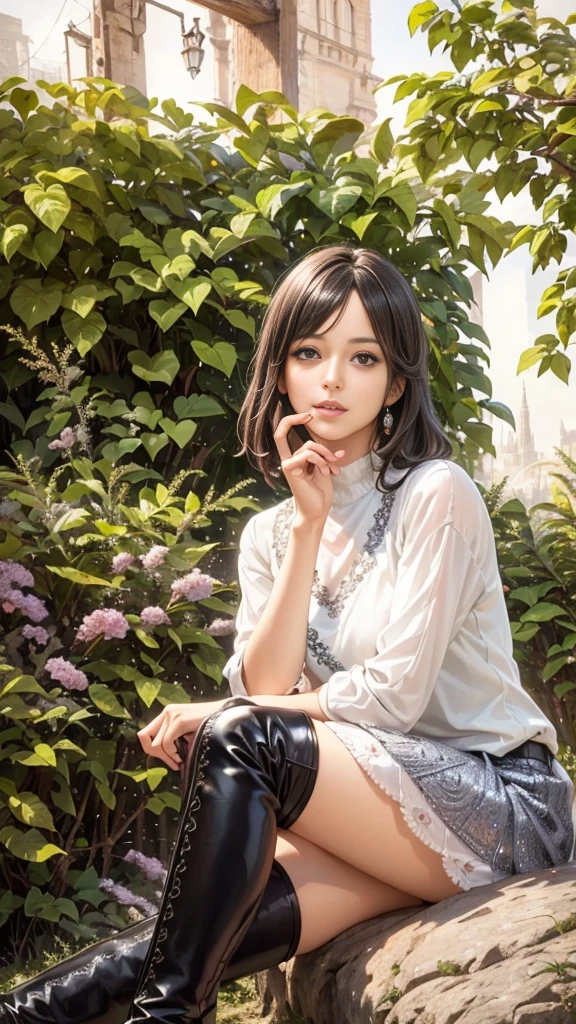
[122,561]
[66,673]
[13,577]
[37,633]
[155,557]
[67,439]
[221,627]
[151,867]
[195,586]
[104,621]
[154,616]
[123,895]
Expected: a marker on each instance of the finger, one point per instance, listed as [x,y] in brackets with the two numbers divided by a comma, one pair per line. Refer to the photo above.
[169,747]
[165,741]
[298,464]
[284,427]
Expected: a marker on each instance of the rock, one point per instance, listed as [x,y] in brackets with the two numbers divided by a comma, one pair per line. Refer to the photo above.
[481,957]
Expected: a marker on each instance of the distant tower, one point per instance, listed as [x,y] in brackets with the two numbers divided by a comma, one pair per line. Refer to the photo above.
[526,450]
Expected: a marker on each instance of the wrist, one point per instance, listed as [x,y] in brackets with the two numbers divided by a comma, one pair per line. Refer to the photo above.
[305,527]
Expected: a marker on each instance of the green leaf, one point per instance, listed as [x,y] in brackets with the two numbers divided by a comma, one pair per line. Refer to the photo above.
[165,313]
[238,318]
[48,244]
[76,576]
[30,809]
[24,101]
[35,301]
[30,845]
[222,355]
[191,292]
[147,689]
[73,176]
[154,443]
[542,612]
[12,240]
[147,279]
[107,796]
[162,367]
[181,432]
[145,637]
[383,142]
[105,700]
[51,205]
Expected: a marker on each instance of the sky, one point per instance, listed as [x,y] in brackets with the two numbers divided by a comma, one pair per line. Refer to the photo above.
[511,293]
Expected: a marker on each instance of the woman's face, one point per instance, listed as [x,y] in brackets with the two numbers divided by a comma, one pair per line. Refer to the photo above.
[339,367]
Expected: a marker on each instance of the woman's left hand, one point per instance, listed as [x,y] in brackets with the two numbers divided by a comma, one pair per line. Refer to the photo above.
[159,737]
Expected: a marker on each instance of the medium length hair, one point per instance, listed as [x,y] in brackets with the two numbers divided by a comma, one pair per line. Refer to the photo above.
[318,285]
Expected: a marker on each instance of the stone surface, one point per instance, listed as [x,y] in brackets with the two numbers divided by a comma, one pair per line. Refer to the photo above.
[480,957]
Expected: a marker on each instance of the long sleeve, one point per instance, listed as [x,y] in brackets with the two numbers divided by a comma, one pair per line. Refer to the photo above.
[256,581]
[438,583]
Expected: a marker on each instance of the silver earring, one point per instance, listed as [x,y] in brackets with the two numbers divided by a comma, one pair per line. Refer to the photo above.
[388,421]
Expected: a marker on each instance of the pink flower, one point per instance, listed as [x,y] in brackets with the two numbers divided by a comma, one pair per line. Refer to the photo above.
[12,577]
[67,439]
[221,627]
[154,616]
[155,557]
[122,561]
[37,633]
[31,606]
[195,586]
[64,672]
[106,621]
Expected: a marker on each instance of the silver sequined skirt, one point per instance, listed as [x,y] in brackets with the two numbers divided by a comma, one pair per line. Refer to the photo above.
[515,813]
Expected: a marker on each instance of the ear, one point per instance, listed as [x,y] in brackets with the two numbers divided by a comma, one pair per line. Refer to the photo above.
[396,391]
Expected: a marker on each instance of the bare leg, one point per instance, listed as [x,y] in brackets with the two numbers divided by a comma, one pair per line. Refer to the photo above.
[351,817]
[332,895]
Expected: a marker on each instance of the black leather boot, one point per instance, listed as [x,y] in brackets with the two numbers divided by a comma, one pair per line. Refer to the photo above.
[253,770]
[87,984]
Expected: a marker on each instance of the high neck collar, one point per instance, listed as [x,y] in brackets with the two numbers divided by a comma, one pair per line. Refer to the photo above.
[359,477]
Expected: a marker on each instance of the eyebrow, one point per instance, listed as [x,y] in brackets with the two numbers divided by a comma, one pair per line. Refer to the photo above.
[351,341]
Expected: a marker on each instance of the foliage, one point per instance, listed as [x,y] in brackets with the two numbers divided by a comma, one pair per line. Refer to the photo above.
[537,560]
[510,113]
[137,268]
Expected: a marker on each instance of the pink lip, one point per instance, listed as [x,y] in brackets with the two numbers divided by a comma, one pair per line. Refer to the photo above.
[329,412]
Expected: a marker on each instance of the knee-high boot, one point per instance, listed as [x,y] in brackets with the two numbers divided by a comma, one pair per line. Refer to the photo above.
[84,985]
[87,984]
[253,770]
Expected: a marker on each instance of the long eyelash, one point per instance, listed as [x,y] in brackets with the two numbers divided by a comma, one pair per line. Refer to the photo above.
[310,348]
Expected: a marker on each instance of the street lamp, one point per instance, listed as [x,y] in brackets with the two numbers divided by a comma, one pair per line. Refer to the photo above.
[192,54]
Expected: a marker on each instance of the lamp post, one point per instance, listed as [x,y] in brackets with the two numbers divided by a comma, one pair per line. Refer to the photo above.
[192,54]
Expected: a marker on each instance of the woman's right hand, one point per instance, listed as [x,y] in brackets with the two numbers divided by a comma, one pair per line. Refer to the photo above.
[309,470]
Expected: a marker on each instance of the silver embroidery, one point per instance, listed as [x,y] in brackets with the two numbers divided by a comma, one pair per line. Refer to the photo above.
[322,653]
[363,563]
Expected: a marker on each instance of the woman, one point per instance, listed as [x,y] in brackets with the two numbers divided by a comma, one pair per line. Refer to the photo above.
[380,751]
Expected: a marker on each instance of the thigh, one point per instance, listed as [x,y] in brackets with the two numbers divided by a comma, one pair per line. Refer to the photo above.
[332,895]
[349,815]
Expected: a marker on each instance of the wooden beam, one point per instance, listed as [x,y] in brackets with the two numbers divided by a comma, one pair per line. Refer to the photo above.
[246,12]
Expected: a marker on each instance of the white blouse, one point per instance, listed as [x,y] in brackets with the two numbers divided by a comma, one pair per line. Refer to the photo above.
[408,627]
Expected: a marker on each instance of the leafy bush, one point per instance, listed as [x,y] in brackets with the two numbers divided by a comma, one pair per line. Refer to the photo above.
[137,267]
[537,560]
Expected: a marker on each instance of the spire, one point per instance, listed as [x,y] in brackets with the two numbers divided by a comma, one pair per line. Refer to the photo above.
[526,450]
